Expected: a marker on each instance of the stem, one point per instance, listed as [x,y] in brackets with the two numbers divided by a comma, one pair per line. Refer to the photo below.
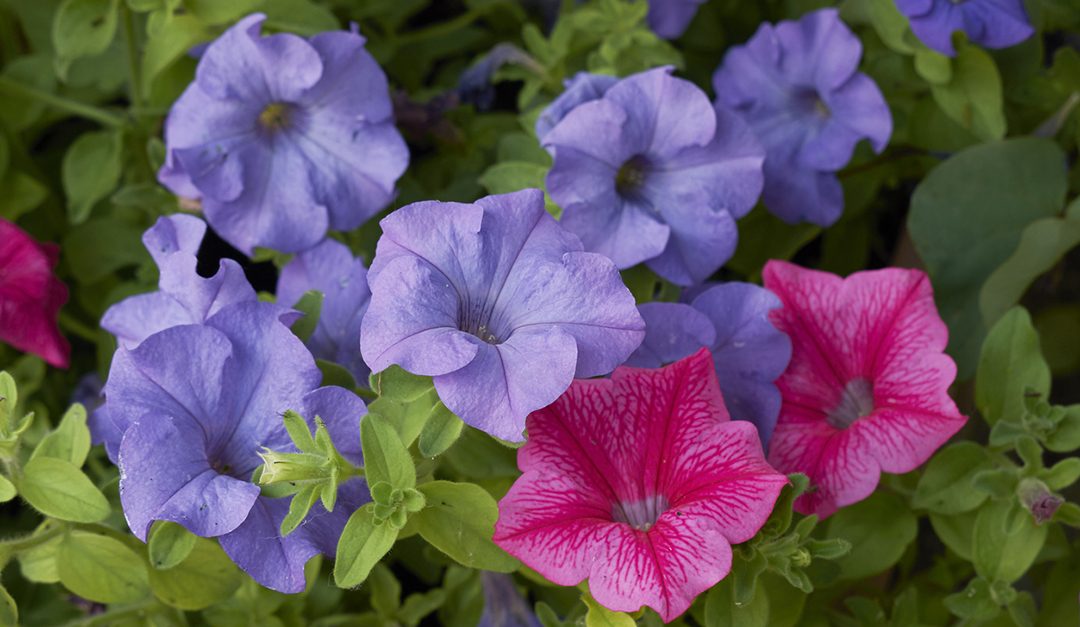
[90,112]
[112,617]
[443,28]
[28,542]
[135,88]
[72,325]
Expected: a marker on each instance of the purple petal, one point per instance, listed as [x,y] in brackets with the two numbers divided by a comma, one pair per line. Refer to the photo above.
[672,331]
[258,548]
[798,195]
[583,87]
[670,112]
[341,411]
[670,18]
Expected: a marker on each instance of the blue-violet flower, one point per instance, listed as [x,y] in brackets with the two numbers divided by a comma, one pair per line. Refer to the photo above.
[989,23]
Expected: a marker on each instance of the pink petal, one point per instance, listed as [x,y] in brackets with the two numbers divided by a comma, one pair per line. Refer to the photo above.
[31,296]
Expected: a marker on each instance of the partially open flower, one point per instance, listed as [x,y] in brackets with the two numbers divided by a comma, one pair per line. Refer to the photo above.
[31,296]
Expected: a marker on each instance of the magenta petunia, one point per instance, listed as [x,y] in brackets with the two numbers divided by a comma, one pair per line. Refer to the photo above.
[867,387]
[31,296]
[639,483]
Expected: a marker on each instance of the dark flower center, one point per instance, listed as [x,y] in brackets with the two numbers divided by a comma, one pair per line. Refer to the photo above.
[810,102]
[481,321]
[640,515]
[276,116]
[856,401]
[631,175]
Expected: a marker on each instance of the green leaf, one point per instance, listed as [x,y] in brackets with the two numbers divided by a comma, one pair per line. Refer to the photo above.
[935,67]
[975,602]
[721,610]
[90,171]
[335,374]
[419,605]
[1001,553]
[1011,364]
[7,489]
[1066,437]
[600,616]
[9,401]
[38,564]
[945,486]
[1062,474]
[299,506]
[396,383]
[973,96]
[169,44]
[1042,245]
[889,23]
[385,457]
[459,520]
[385,591]
[82,28]
[310,304]
[170,544]
[205,577]
[9,612]
[101,568]
[966,218]
[363,543]
[440,431]
[762,236]
[90,262]
[70,441]
[22,194]
[879,528]
[57,488]
[511,176]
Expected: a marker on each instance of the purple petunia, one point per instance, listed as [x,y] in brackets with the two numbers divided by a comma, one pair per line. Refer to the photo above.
[798,86]
[283,138]
[989,23]
[670,18]
[504,605]
[581,88]
[651,172]
[732,321]
[331,269]
[183,296]
[498,303]
[186,414]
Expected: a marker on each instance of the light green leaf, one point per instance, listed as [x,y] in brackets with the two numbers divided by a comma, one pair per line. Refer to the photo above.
[973,96]
[310,304]
[966,218]
[38,564]
[385,591]
[101,568]
[1002,551]
[935,67]
[7,489]
[396,383]
[879,529]
[57,488]
[945,486]
[512,176]
[385,457]
[90,171]
[363,543]
[170,43]
[1011,364]
[170,544]
[975,602]
[459,520]
[82,28]
[600,616]
[440,431]
[9,612]
[70,441]
[205,577]
[722,611]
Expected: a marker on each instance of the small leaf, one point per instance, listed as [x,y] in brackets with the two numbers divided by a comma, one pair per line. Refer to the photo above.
[70,440]
[385,457]
[301,504]
[385,591]
[9,612]
[879,528]
[299,432]
[205,577]
[974,602]
[1011,364]
[459,520]
[101,568]
[440,431]
[7,490]
[363,543]
[945,486]
[1062,474]
[973,97]
[396,383]
[1000,553]
[169,544]
[310,304]
[600,616]
[90,171]
[57,488]
[82,28]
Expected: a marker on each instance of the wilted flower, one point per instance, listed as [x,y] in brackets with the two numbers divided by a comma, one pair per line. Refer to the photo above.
[183,296]
[798,86]
[732,321]
[640,484]
[31,296]
[283,138]
[187,413]
[990,23]
[670,18]
[331,269]
[498,303]
[867,390]
[651,172]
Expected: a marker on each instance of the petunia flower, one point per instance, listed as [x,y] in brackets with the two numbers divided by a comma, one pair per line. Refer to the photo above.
[183,297]
[503,604]
[31,296]
[798,86]
[989,23]
[498,303]
[651,172]
[640,484]
[670,18]
[732,321]
[283,138]
[331,269]
[187,412]
[581,88]
[867,388]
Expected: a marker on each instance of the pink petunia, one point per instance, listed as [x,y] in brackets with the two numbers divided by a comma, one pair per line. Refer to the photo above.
[30,296]
[867,387]
[639,483]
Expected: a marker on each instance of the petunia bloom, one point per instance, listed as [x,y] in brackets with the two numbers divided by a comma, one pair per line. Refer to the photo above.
[283,138]
[798,86]
[183,296]
[581,88]
[498,303]
[867,388]
[670,18]
[989,23]
[187,412]
[640,484]
[651,172]
[504,606]
[31,296]
[748,351]
[331,269]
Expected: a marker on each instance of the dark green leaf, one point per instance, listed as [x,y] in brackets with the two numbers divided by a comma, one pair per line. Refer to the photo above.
[81,28]
[879,529]
[945,486]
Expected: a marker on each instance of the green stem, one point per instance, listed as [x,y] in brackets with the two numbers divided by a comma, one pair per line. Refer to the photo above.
[90,112]
[74,326]
[443,28]
[135,87]
[25,543]
[115,616]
